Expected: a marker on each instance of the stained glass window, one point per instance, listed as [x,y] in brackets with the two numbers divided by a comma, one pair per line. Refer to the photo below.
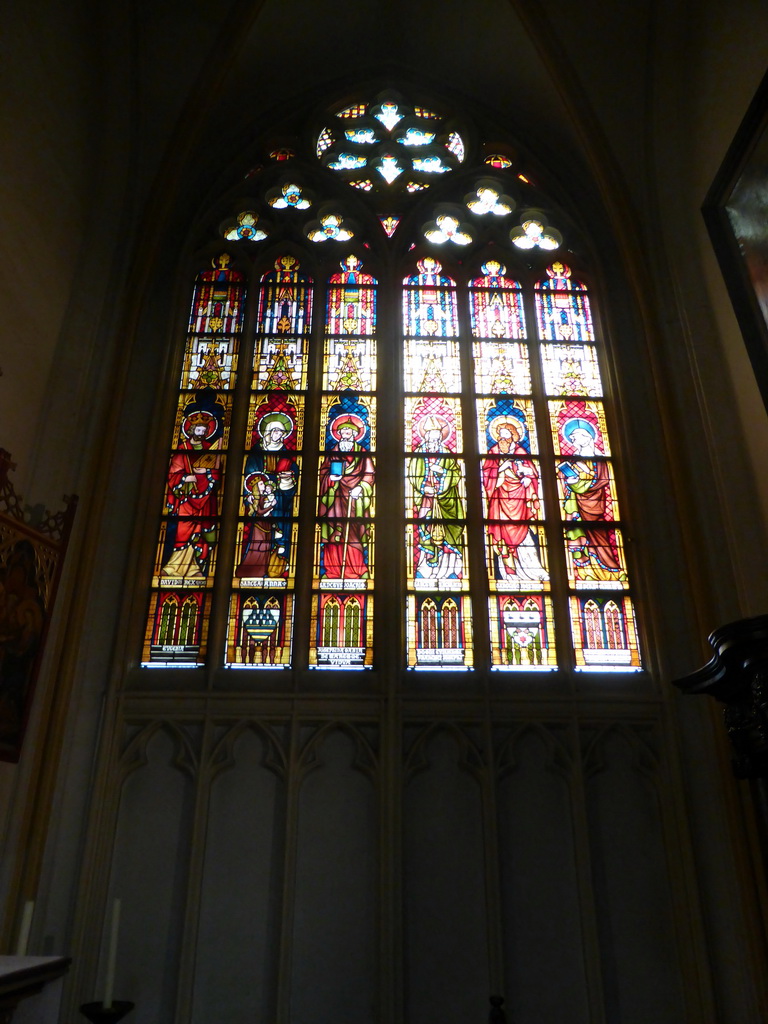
[602,624]
[324,140]
[342,620]
[245,228]
[516,553]
[486,199]
[185,559]
[533,233]
[498,161]
[391,137]
[355,110]
[313,372]
[264,576]
[289,197]
[456,145]
[435,489]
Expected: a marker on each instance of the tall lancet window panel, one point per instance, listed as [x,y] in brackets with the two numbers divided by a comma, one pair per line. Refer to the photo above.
[516,557]
[264,577]
[601,612]
[187,546]
[343,576]
[437,574]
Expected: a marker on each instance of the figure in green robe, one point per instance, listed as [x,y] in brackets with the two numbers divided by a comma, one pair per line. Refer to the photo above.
[435,481]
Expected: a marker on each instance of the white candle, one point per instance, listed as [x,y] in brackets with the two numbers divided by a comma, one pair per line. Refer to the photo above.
[112,958]
[26,924]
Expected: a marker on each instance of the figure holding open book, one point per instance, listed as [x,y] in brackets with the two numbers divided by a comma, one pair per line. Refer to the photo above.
[586,505]
[344,502]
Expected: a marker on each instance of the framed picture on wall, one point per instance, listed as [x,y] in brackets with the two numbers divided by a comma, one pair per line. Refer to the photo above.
[32,551]
[736,214]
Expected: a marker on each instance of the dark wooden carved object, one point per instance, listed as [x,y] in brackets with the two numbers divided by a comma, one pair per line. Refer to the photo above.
[737,676]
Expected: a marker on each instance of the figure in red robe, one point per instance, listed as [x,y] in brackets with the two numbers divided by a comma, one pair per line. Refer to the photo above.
[193,479]
[511,487]
[346,493]
[587,495]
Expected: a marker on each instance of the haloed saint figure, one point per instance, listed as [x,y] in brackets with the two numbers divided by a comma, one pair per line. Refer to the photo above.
[511,483]
[586,502]
[435,481]
[344,501]
[269,488]
[194,474]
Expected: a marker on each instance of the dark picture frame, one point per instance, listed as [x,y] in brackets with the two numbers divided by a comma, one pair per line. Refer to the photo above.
[736,214]
[32,550]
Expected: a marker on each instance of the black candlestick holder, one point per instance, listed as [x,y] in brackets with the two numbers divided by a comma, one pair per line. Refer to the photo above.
[98,1013]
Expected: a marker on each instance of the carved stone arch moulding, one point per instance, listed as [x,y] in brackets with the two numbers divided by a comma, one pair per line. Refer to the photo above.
[274,756]
[365,758]
[134,753]
[471,758]
[559,758]
[639,739]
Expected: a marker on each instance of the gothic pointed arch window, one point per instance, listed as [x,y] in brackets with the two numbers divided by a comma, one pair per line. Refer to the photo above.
[390,420]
